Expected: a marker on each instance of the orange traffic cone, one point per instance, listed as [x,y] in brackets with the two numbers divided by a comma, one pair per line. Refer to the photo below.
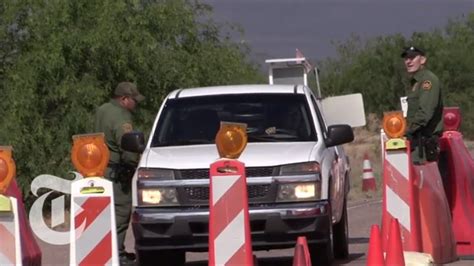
[395,249]
[298,259]
[368,179]
[301,256]
[375,254]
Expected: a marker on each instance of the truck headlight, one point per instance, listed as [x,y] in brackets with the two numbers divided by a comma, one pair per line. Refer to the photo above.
[300,168]
[158,196]
[155,173]
[308,191]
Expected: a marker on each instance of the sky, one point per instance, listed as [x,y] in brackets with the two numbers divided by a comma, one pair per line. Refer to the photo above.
[275,28]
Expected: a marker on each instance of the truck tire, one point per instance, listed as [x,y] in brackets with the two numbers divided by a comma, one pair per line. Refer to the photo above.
[161,257]
[322,253]
[341,235]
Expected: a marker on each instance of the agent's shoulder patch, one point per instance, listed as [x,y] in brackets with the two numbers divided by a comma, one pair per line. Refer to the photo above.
[426,85]
[127,127]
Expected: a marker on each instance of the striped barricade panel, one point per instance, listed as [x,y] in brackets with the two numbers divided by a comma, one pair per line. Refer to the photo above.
[399,197]
[10,248]
[93,232]
[229,228]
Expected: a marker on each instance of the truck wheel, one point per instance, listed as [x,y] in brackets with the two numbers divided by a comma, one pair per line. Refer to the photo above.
[341,236]
[322,253]
[161,257]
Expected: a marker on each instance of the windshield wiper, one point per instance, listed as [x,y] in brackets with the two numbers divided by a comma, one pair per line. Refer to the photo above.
[185,142]
[273,137]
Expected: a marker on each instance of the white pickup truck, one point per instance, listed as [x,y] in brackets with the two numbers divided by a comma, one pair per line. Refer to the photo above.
[290,147]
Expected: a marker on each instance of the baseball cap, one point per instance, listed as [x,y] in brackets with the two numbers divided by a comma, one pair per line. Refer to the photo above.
[411,52]
[128,89]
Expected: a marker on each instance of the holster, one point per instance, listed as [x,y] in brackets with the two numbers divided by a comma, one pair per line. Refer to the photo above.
[428,146]
[122,172]
[420,143]
[431,147]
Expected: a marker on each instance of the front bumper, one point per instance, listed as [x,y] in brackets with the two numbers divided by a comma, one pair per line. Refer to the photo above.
[276,226]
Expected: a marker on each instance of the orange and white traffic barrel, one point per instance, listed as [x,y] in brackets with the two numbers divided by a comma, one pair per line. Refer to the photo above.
[229,226]
[93,232]
[10,246]
[399,194]
[414,195]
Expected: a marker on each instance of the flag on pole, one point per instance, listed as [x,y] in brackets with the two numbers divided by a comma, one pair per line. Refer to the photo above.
[307,65]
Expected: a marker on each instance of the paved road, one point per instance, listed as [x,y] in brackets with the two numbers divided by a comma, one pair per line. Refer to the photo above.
[361,216]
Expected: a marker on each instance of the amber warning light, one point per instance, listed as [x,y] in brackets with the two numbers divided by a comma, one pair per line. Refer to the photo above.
[231,139]
[394,124]
[7,168]
[90,154]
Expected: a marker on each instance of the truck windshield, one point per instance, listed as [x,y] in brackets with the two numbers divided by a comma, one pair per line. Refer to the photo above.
[269,118]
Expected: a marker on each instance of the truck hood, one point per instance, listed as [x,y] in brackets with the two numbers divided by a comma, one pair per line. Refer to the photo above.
[254,155]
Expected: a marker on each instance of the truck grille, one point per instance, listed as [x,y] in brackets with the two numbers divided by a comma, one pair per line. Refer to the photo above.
[204,173]
[202,193]
[199,195]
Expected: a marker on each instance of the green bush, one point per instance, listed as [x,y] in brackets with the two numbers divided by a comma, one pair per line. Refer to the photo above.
[61,59]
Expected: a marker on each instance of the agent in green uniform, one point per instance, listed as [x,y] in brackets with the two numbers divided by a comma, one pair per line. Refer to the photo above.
[425,107]
[114,119]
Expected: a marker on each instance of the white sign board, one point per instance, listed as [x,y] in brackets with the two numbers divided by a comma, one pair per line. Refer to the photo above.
[345,109]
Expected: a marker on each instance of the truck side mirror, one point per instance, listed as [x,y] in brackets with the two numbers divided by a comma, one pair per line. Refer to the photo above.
[133,142]
[339,134]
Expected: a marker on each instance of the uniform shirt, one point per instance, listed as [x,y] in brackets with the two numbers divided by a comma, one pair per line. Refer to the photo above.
[114,121]
[425,106]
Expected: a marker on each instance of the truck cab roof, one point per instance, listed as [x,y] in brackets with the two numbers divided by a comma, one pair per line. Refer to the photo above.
[237,89]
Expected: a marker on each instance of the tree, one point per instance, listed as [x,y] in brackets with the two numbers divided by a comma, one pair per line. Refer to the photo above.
[374,68]
[62,58]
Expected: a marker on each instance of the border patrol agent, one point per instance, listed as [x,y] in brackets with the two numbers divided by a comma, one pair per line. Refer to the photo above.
[114,119]
[425,107]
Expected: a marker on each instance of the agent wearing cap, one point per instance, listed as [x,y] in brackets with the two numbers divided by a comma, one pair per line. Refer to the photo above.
[425,107]
[114,119]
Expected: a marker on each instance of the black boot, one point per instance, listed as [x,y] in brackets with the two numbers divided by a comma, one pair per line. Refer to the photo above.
[127,259]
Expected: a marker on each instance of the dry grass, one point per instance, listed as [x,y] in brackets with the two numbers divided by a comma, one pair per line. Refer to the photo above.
[367,141]
[469,144]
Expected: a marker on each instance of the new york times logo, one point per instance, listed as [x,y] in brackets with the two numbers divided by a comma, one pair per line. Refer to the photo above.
[37,220]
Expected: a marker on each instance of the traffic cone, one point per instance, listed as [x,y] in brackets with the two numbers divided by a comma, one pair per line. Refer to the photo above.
[301,255]
[375,253]
[368,179]
[298,259]
[394,248]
